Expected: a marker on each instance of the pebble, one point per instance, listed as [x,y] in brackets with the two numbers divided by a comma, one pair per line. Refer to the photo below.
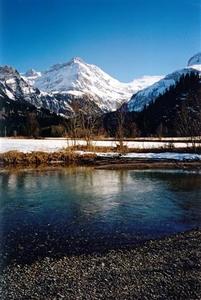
[162,269]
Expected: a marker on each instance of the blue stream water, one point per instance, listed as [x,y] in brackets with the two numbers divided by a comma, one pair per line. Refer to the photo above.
[81,210]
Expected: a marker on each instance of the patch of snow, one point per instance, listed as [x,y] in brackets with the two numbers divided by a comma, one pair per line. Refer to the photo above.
[143,82]
[10,95]
[152,156]
[165,155]
[74,93]
[31,75]
[196,67]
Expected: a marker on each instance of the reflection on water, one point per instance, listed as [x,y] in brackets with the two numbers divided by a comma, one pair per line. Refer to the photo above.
[73,210]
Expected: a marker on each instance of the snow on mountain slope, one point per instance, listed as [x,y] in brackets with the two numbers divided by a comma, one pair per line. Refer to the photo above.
[143,82]
[79,78]
[14,87]
[149,94]
[195,59]
[30,76]
[65,85]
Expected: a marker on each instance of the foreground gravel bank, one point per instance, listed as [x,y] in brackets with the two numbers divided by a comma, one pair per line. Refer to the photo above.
[163,269]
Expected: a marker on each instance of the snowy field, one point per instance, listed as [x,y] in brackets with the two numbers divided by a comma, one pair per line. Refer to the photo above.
[55,144]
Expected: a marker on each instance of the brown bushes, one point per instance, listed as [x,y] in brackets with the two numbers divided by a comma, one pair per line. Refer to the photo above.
[39,158]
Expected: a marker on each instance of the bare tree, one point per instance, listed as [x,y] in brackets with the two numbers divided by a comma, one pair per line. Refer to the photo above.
[88,125]
[82,124]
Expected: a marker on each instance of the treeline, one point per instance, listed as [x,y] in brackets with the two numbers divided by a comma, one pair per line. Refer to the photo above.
[24,119]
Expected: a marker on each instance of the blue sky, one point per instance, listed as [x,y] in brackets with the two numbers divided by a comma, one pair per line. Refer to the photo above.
[126,38]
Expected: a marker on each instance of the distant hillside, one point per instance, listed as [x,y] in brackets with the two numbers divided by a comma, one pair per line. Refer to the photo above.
[169,114]
[177,112]
[24,119]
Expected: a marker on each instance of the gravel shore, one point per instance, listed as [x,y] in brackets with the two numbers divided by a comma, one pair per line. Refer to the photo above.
[169,268]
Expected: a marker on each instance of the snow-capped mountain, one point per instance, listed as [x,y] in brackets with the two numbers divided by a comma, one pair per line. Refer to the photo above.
[78,78]
[76,82]
[15,87]
[149,94]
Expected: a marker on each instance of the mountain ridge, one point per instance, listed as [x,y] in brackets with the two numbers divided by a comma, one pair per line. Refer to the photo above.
[78,77]
[62,85]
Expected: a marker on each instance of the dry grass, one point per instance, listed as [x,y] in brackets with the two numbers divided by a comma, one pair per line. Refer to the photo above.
[125,149]
[38,158]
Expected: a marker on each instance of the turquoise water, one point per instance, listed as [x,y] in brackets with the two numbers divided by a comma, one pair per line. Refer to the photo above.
[81,210]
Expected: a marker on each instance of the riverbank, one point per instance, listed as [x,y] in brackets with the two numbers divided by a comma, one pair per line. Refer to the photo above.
[169,268]
[102,160]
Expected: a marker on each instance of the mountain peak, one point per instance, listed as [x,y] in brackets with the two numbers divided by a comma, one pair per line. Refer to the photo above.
[79,77]
[76,59]
[7,72]
[195,60]
[31,72]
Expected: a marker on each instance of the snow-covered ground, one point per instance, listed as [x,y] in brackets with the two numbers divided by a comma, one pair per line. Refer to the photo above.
[165,155]
[154,156]
[29,145]
[55,144]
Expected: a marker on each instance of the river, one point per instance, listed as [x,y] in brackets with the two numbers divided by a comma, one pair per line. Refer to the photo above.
[67,211]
